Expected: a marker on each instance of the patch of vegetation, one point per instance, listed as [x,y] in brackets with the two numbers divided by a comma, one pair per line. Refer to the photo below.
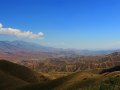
[112,83]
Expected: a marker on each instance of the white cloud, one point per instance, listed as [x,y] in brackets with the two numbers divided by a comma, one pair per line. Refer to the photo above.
[1,25]
[20,34]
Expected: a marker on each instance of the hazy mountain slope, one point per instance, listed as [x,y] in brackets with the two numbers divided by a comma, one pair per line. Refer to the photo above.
[10,47]
[14,46]
[19,50]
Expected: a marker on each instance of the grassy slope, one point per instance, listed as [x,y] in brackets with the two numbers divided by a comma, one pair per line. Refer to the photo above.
[84,80]
[71,82]
[15,77]
[112,83]
[19,71]
[55,75]
[7,82]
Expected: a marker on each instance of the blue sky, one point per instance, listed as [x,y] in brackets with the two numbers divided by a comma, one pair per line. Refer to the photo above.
[82,24]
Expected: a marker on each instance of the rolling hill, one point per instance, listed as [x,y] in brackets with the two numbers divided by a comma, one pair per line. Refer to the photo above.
[84,80]
[13,75]
[17,77]
[18,71]
[8,82]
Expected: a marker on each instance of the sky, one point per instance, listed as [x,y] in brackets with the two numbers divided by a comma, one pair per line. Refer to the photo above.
[80,24]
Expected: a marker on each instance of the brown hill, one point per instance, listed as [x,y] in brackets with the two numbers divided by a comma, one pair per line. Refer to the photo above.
[74,64]
[13,75]
[12,78]
[8,82]
[78,81]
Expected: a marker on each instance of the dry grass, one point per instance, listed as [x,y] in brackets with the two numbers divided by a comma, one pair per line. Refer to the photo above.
[17,77]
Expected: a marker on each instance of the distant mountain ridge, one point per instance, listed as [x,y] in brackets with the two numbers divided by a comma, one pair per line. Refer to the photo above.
[13,46]
[21,46]
[21,50]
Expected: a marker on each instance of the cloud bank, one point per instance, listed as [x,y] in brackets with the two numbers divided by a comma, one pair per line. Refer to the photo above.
[19,33]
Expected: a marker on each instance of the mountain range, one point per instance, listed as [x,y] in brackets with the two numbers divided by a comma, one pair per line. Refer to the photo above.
[29,66]
[14,47]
